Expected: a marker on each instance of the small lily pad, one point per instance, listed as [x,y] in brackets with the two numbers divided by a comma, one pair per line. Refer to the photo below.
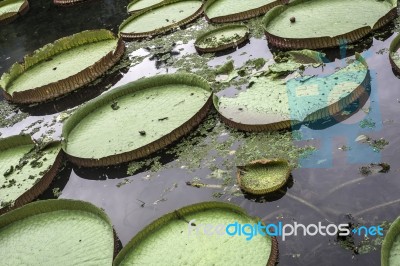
[222,38]
[263,176]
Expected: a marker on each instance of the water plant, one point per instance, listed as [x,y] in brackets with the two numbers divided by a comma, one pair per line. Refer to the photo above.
[390,253]
[10,10]
[394,54]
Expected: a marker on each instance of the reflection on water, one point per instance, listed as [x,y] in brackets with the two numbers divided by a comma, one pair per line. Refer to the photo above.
[143,198]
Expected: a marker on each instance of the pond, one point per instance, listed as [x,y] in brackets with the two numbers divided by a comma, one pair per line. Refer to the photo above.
[328,185]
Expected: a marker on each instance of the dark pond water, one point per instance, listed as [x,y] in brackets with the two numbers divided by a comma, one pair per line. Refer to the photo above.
[319,191]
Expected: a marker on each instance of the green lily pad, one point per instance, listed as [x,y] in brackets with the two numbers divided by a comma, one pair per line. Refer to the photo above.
[222,38]
[263,176]
[67,2]
[161,18]
[61,67]
[152,112]
[390,253]
[172,241]
[25,170]
[394,55]
[332,23]
[137,5]
[11,9]
[56,232]
[273,103]
[221,11]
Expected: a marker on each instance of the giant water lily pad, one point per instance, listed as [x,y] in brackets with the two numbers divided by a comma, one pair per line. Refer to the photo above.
[221,11]
[62,66]
[222,38]
[56,232]
[394,54]
[171,241]
[263,176]
[160,18]
[325,23]
[11,9]
[137,5]
[390,254]
[135,120]
[273,103]
[25,170]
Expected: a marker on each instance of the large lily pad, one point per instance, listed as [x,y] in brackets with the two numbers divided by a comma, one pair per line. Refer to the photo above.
[273,103]
[62,66]
[221,11]
[137,5]
[394,55]
[325,23]
[263,176]
[161,18]
[390,254]
[11,9]
[56,232]
[222,38]
[171,241]
[25,170]
[135,120]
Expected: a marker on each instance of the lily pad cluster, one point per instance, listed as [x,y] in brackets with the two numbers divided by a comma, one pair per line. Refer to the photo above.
[222,38]
[26,170]
[10,10]
[332,22]
[61,67]
[154,113]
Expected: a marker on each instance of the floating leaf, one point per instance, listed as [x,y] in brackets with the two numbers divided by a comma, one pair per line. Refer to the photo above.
[10,10]
[263,176]
[191,246]
[390,254]
[61,67]
[221,11]
[160,18]
[152,113]
[222,38]
[332,23]
[56,232]
[25,170]
[273,104]
[138,5]
[394,54]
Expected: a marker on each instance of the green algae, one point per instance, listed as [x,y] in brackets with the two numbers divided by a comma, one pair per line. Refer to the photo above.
[10,114]
[160,17]
[330,17]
